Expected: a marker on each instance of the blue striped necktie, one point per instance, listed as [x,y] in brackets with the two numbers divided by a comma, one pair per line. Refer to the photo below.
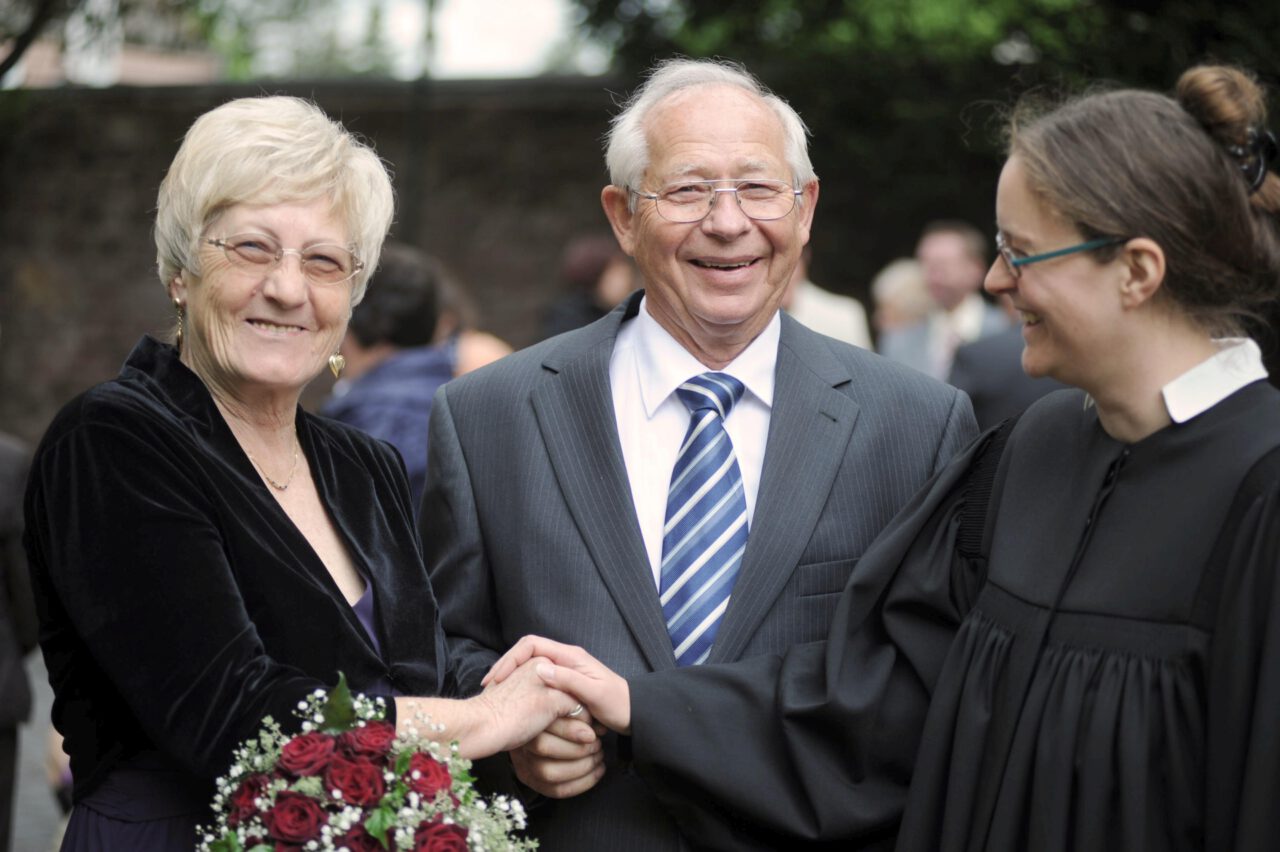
[705,532]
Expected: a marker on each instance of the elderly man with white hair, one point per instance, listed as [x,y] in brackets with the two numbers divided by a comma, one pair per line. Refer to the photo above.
[688,480]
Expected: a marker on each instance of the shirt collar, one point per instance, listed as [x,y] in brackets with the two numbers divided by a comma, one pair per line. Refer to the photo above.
[1238,362]
[663,364]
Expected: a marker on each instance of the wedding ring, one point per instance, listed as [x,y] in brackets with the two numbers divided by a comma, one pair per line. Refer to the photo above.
[575,711]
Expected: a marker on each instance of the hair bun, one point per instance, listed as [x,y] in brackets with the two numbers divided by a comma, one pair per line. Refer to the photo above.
[1232,107]
[1227,101]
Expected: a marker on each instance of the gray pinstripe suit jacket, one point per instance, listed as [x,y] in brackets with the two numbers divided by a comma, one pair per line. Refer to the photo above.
[528,526]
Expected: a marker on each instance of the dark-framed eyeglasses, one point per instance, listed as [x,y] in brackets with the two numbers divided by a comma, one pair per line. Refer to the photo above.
[323,263]
[1014,263]
[689,201]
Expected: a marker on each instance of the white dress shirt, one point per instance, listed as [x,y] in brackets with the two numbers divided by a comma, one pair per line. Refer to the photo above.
[646,368]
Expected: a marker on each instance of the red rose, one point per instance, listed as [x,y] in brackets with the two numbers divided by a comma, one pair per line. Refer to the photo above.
[372,741]
[294,818]
[307,754]
[241,805]
[359,840]
[359,781]
[432,775]
[440,837]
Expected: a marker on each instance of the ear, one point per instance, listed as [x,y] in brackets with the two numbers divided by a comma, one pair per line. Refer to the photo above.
[807,203]
[178,287]
[614,200]
[1144,268]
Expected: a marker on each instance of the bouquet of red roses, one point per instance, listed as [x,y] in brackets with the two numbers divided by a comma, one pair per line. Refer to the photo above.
[348,782]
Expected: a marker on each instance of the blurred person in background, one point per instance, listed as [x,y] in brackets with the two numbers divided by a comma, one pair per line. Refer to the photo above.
[17,623]
[392,367]
[598,275]
[953,258]
[899,296]
[841,317]
[205,553]
[457,329]
[990,371]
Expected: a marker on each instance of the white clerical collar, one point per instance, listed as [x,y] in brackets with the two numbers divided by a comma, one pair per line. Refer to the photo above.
[664,364]
[1238,362]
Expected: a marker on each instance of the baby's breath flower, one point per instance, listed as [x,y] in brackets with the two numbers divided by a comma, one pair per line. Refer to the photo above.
[489,826]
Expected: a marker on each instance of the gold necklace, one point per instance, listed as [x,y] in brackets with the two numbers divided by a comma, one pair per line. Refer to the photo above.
[277,485]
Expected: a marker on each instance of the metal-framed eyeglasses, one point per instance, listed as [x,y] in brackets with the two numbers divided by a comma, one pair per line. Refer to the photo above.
[1014,263]
[324,263]
[689,201]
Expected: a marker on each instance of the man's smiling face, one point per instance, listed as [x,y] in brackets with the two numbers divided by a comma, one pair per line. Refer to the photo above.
[713,284]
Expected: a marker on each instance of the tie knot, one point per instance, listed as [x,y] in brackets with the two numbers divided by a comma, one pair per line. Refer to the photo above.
[711,391]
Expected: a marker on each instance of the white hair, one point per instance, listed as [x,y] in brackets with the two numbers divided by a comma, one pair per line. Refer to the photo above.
[627,148]
[270,150]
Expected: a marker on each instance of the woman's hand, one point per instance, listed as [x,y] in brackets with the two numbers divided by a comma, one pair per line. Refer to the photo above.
[503,717]
[572,670]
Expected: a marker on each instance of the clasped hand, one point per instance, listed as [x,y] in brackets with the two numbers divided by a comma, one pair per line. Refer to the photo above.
[566,759]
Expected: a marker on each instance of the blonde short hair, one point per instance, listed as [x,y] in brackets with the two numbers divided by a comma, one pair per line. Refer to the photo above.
[270,150]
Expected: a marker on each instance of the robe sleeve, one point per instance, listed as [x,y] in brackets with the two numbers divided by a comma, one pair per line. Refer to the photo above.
[138,595]
[1243,719]
[818,744]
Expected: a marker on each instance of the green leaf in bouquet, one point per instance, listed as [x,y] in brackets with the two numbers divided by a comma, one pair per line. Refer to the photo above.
[310,785]
[339,710]
[229,842]
[379,823]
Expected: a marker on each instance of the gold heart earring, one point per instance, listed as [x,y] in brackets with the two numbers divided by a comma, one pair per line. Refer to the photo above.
[336,363]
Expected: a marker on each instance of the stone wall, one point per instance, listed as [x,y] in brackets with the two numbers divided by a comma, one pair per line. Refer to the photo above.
[491,176]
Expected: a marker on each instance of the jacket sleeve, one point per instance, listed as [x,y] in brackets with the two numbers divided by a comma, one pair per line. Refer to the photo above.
[139,601]
[957,433]
[454,550]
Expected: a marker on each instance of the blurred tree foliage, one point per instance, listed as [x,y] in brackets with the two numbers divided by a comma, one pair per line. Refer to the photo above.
[905,97]
[254,38]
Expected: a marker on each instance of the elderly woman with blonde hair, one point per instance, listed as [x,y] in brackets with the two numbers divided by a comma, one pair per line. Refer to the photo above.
[204,552]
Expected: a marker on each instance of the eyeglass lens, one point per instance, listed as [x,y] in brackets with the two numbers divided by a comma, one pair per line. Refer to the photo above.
[323,264]
[691,201]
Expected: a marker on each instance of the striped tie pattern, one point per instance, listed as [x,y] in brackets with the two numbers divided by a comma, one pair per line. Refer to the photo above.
[705,532]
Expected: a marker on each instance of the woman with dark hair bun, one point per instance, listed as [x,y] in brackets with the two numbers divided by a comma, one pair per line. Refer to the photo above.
[1071,639]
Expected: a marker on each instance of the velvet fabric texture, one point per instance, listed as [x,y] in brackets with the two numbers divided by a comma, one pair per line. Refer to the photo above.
[178,603]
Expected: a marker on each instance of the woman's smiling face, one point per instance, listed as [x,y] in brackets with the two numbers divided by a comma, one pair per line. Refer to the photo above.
[251,331]
[1070,305]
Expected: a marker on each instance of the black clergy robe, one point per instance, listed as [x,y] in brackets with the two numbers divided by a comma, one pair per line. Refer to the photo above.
[1108,679]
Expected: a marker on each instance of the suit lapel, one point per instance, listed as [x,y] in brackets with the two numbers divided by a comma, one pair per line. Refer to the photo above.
[809,428]
[574,408]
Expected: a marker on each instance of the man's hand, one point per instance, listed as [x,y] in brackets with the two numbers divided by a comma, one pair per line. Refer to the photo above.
[564,760]
[574,671]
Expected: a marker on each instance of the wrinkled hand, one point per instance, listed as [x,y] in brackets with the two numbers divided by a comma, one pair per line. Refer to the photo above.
[516,710]
[572,670]
[565,760]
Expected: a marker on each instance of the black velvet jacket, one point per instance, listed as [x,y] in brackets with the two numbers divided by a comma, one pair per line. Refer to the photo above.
[178,603]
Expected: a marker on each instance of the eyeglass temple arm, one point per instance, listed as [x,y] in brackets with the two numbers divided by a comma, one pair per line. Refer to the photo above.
[1092,244]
